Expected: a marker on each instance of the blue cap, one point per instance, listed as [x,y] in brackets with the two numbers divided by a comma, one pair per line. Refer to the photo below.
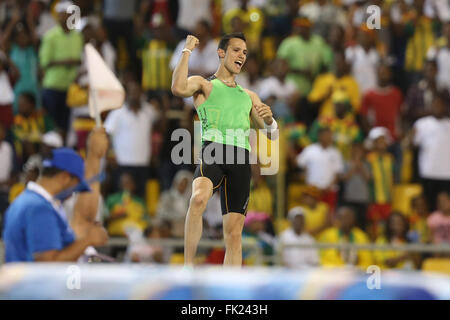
[68,160]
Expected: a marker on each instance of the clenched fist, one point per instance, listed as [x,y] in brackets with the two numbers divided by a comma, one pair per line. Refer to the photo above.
[264,111]
[191,42]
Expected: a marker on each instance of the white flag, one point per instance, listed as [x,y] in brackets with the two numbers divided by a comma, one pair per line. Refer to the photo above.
[105,90]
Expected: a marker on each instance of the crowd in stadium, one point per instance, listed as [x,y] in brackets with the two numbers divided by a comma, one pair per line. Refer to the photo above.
[363,112]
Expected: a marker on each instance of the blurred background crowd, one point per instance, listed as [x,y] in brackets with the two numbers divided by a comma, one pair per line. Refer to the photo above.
[364,117]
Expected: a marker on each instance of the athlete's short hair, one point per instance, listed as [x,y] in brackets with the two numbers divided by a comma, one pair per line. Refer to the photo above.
[223,44]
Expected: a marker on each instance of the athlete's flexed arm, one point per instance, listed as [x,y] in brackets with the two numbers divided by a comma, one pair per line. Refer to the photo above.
[182,86]
[261,115]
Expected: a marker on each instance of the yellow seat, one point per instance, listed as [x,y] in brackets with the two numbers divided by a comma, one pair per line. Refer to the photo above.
[177,258]
[441,265]
[403,193]
[152,196]
[294,192]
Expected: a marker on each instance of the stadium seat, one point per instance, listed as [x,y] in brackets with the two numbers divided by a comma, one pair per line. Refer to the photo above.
[441,265]
[403,193]
[294,191]
[152,196]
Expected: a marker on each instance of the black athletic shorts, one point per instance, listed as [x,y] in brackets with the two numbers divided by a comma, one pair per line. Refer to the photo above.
[230,171]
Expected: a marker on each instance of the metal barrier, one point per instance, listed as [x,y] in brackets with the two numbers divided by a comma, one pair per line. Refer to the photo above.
[258,252]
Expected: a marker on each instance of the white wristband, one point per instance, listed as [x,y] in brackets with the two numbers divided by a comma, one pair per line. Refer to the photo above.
[186,50]
[272,127]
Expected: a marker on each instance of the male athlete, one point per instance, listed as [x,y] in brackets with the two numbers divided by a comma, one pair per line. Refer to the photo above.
[225,109]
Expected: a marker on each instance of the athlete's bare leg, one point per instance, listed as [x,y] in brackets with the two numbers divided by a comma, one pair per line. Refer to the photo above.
[201,192]
[233,224]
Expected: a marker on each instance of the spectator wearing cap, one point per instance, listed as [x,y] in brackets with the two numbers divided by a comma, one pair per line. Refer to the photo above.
[345,233]
[316,212]
[36,228]
[255,230]
[297,257]
[29,126]
[382,172]
[431,135]
[305,54]
[343,124]
[33,166]
[323,164]
[59,56]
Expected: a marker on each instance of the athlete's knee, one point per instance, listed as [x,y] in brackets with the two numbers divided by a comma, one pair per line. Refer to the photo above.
[233,237]
[199,200]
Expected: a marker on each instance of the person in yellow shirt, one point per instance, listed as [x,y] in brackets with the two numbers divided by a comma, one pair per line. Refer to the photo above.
[396,234]
[252,19]
[419,231]
[125,209]
[345,232]
[260,199]
[316,212]
[326,84]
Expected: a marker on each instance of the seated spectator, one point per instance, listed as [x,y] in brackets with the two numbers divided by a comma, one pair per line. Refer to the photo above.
[31,171]
[364,59]
[396,232]
[382,172]
[29,126]
[125,210]
[130,128]
[8,75]
[381,105]
[356,178]
[329,82]
[439,221]
[278,92]
[253,19]
[254,230]
[297,139]
[323,164]
[174,203]
[316,212]
[431,134]
[419,231]
[297,257]
[139,250]
[345,233]
[343,125]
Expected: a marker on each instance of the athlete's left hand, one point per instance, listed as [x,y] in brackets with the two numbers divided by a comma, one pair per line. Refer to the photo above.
[264,111]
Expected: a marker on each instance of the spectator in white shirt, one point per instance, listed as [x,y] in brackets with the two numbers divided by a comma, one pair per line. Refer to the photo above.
[297,257]
[130,128]
[203,61]
[322,161]
[364,59]
[6,167]
[442,56]
[431,134]
[282,95]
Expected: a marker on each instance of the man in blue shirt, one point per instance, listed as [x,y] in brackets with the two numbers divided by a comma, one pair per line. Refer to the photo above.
[36,228]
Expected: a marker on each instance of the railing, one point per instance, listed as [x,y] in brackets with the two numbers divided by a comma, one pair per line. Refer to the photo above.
[258,253]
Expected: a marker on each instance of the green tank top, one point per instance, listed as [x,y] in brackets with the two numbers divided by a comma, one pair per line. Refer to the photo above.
[225,115]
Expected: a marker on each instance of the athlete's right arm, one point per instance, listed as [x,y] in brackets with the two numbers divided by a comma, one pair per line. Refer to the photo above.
[182,86]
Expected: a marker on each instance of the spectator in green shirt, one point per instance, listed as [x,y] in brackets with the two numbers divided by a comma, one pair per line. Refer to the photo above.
[59,57]
[305,53]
